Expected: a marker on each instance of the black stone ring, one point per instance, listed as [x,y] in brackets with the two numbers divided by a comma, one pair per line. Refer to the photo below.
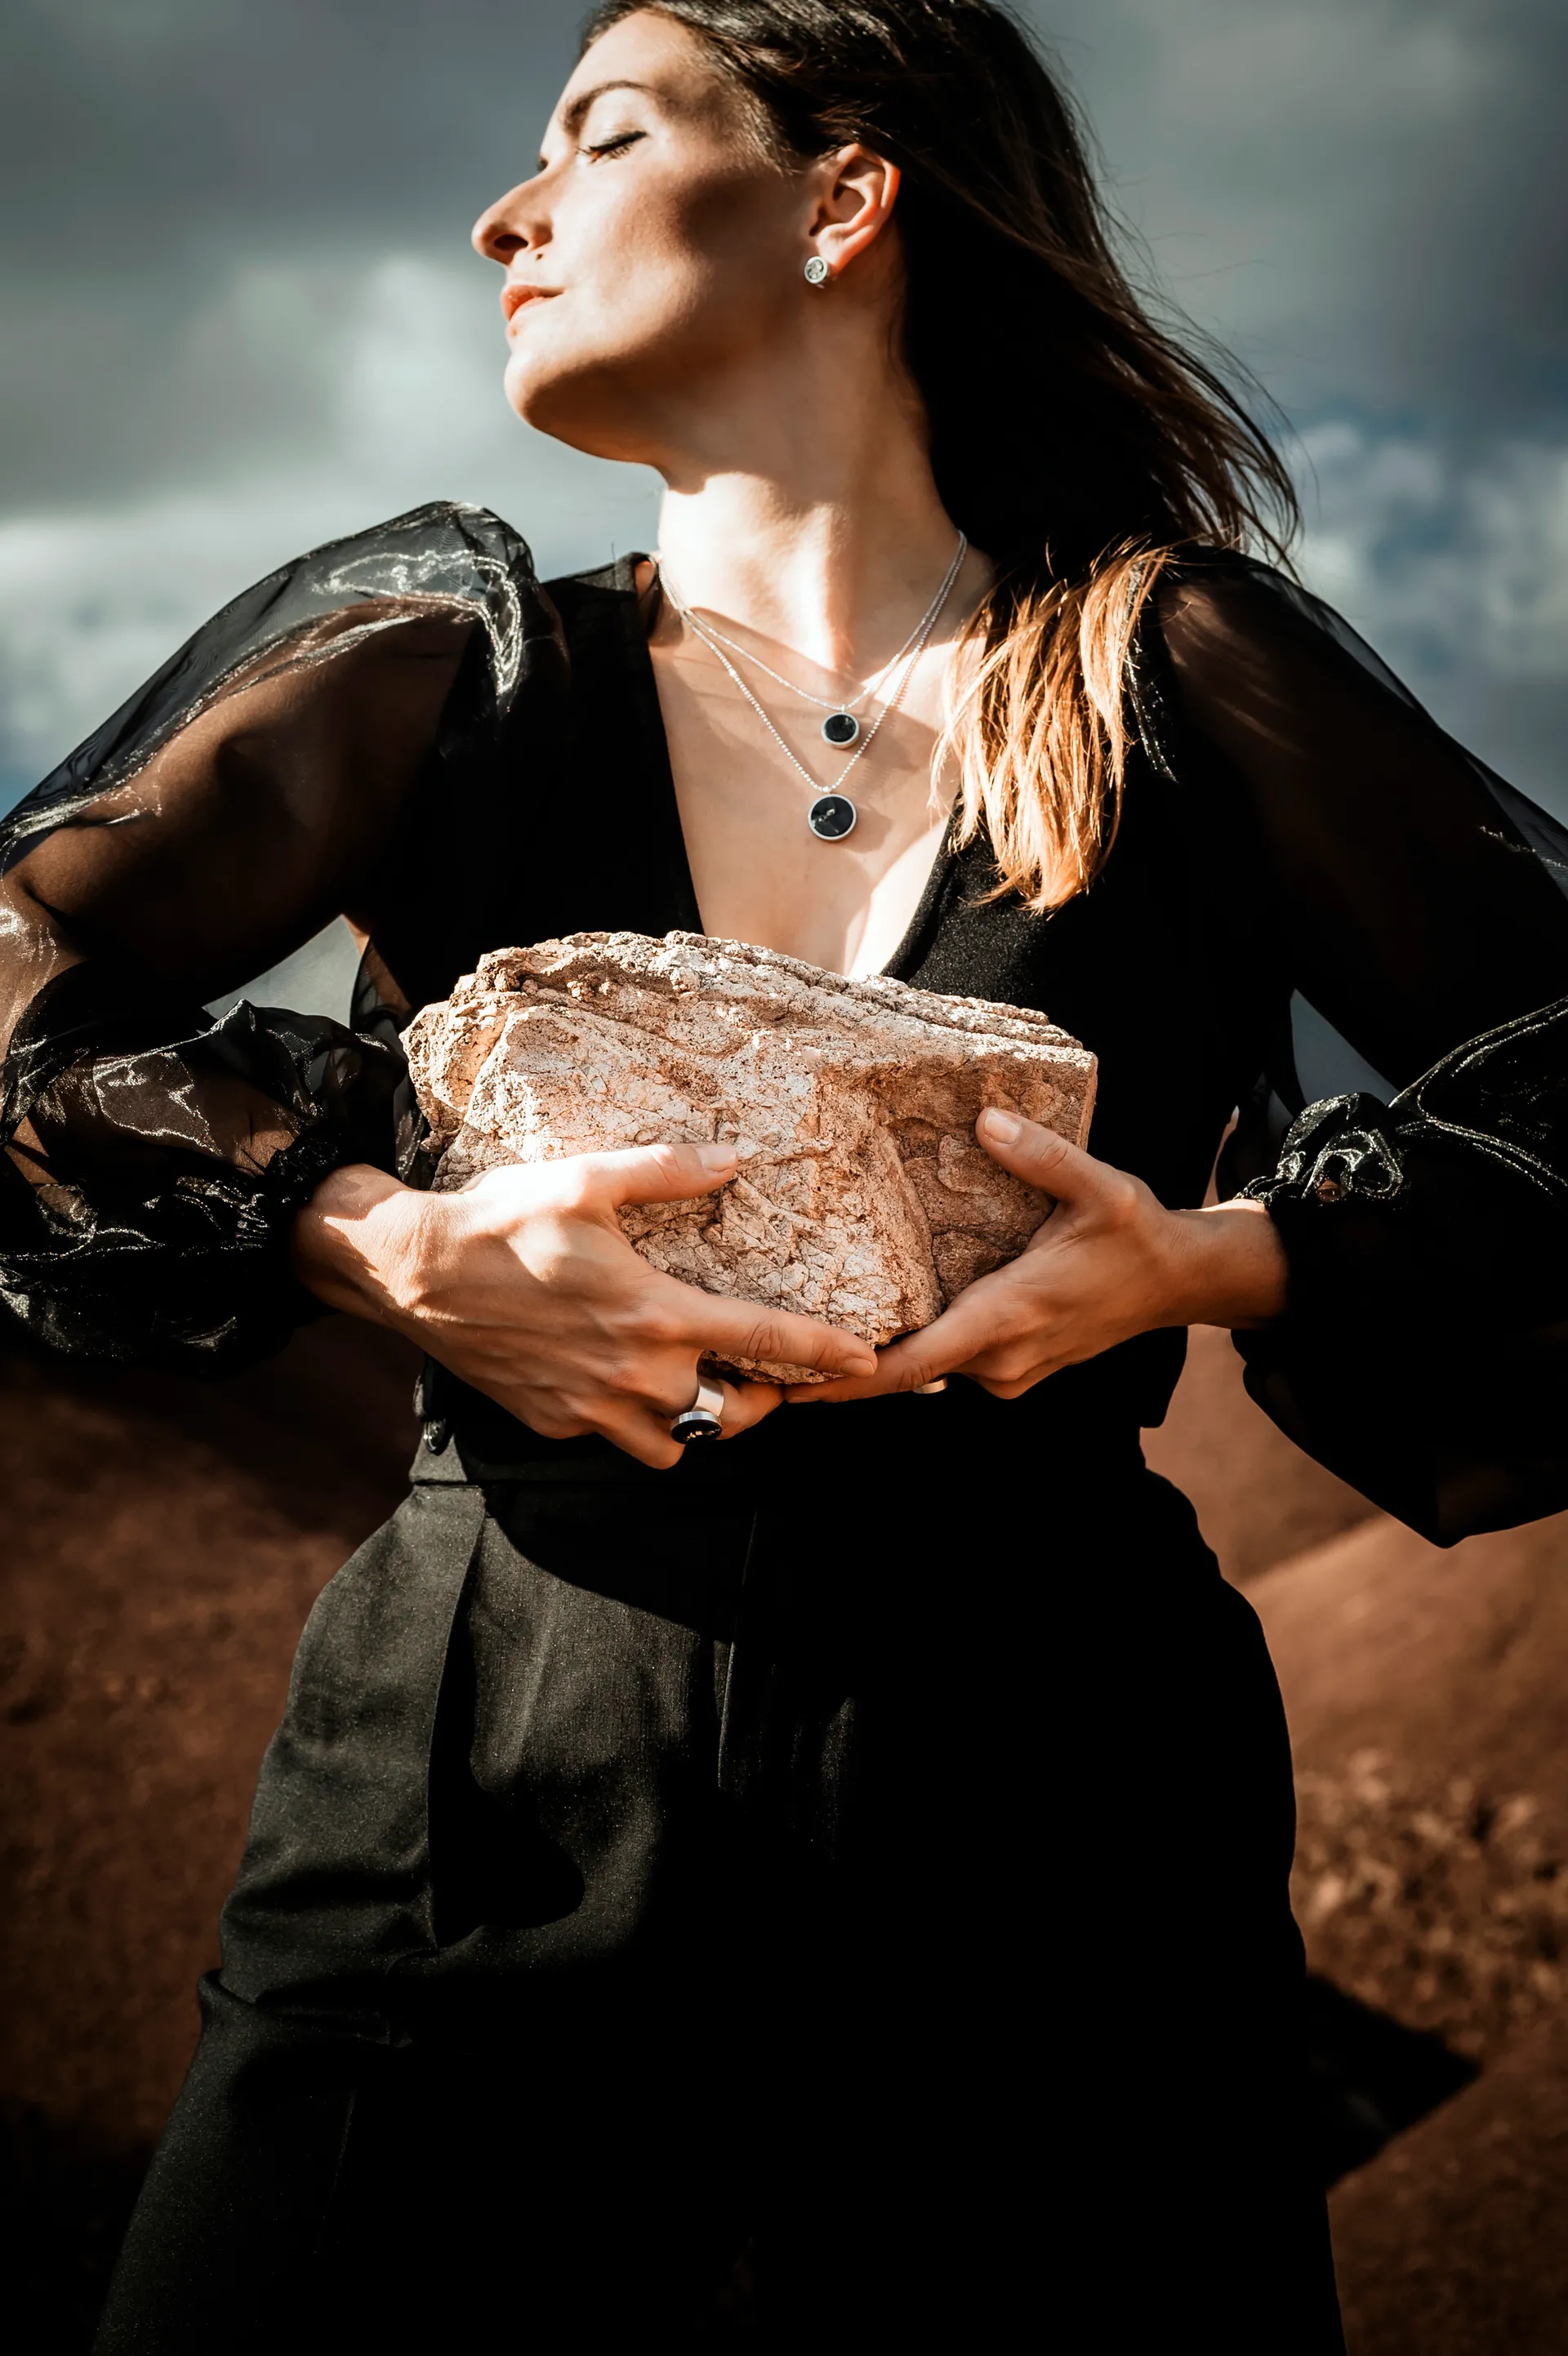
[702,1418]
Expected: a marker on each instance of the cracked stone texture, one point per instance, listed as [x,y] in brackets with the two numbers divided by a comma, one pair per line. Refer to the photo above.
[861,1197]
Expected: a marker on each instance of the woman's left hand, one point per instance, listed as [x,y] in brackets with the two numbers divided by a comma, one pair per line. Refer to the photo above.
[1109,1262]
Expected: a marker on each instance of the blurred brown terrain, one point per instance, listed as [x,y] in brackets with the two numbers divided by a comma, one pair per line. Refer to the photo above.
[1427,1692]
[165,1542]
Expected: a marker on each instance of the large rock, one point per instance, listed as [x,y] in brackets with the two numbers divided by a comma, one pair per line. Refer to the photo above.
[861,1196]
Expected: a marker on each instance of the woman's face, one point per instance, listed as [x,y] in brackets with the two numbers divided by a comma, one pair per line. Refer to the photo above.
[656,253]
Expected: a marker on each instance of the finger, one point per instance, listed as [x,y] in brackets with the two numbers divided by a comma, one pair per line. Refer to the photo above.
[1038,1155]
[646,1433]
[843,1386]
[900,1367]
[556,1415]
[642,1432]
[746,1403]
[747,1329]
[943,1347]
[1021,1385]
[655,1173]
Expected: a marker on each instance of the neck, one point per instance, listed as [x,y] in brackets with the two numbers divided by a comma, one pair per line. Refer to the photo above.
[820,529]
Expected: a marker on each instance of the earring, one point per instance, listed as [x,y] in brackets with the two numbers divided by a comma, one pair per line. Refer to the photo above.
[816,271]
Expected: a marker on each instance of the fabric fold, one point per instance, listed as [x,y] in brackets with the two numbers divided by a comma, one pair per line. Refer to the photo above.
[1424,1352]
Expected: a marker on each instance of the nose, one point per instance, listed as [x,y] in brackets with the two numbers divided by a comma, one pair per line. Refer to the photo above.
[511,225]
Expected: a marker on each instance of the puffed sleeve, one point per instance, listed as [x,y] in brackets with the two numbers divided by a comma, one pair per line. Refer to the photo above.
[153,1158]
[1414,905]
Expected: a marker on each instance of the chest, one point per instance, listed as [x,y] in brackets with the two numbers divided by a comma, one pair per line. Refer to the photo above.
[816,847]
[583,820]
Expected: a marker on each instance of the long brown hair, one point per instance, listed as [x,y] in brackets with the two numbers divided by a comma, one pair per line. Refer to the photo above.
[1076,439]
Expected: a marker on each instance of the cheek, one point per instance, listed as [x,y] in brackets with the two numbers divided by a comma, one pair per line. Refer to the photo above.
[655,281]
[611,330]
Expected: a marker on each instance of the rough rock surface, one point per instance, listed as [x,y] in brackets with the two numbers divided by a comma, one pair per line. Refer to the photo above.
[861,1197]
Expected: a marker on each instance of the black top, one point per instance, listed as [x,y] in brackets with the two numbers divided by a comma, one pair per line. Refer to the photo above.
[407,728]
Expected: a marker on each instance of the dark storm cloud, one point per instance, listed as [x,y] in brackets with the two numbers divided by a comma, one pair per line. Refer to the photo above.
[153,151]
[1373,194]
[1370,194]
[241,314]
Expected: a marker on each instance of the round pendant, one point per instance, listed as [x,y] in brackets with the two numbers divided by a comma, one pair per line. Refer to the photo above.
[841,728]
[831,817]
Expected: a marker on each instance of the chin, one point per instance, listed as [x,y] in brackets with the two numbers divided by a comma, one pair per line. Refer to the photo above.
[587,405]
[525,380]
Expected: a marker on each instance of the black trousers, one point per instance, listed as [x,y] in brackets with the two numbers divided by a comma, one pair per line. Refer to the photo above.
[676,1915]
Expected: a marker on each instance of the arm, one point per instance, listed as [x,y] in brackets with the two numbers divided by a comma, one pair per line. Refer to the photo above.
[1386,872]
[1420,905]
[524,1286]
[1398,1302]
[175,1189]
[153,1159]
[1110,1262]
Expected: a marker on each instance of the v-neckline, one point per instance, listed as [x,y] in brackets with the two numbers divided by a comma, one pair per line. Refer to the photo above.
[649,718]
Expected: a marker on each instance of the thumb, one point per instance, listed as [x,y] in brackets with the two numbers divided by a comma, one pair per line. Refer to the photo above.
[658,1173]
[1038,1154]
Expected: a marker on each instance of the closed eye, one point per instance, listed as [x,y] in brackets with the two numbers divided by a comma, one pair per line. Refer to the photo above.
[616,146]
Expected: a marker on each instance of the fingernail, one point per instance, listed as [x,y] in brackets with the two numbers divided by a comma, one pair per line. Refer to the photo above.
[715,1157]
[1004,1127]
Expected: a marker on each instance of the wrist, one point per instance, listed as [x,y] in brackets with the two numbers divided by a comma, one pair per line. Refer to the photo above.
[359,1243]
[1231,1269]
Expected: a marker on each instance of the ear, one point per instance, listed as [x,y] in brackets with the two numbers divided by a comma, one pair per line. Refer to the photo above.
[853,206]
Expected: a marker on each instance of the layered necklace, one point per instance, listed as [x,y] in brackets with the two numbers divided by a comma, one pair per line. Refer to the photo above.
[832,814]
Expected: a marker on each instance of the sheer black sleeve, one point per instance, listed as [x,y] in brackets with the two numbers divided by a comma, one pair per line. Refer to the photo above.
[154,1158]
[1417,908]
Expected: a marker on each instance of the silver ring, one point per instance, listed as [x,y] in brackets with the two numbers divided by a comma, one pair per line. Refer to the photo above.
[703,1419]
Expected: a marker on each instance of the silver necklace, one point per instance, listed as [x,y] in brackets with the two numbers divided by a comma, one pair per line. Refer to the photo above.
[832,814]
[842,725]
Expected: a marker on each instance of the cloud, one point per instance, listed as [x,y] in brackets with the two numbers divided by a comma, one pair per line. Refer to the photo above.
[1453,557]
[1362,194]
[402,394]
[242,316]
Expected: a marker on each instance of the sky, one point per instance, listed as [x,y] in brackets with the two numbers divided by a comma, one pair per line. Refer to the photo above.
[241,316]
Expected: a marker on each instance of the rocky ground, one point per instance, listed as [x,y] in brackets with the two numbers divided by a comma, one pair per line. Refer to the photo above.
[166,1542]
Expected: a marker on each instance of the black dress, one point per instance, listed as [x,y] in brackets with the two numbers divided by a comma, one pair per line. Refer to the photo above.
[835,1891]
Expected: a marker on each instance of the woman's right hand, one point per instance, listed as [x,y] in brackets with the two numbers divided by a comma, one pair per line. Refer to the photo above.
[524,1285]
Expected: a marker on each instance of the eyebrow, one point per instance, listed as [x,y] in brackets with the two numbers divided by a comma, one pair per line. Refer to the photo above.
[572,120]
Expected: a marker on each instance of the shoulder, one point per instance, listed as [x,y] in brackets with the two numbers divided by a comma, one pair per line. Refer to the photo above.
[1231,647]
[1207,597]
[446,552]
[608,594]
[1217,606]
[448,564]
[439,571]
[444,564]
[447,544]
[429,583]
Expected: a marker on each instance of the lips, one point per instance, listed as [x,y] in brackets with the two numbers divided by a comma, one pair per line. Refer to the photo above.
[514,297]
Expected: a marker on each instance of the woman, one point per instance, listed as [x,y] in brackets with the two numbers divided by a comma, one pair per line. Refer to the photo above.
[832,1886]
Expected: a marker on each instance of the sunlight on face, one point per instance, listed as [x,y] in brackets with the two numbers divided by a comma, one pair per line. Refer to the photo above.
[656,248]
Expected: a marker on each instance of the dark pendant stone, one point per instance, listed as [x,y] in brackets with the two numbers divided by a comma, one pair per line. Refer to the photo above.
[841,728]
[831,817]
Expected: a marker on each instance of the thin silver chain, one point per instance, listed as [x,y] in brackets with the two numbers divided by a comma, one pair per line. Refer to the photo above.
[838,703]
[866,742]
[913,650]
